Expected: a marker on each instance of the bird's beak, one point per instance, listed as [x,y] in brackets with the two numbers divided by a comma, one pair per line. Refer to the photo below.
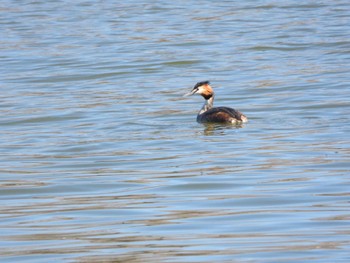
[190,93]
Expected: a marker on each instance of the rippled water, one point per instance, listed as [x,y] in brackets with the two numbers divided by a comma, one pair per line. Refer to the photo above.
[102,159]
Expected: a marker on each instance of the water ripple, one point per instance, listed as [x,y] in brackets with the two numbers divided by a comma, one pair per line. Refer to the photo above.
[101,156]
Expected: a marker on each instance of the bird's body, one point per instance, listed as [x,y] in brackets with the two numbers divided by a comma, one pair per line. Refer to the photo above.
[208,113]
[222,114]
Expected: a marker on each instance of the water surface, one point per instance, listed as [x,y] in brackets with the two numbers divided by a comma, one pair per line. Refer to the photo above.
[101,159]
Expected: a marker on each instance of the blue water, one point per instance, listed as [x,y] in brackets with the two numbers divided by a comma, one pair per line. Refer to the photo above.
[101,158]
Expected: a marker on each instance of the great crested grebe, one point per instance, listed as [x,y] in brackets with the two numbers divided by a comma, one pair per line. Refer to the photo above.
[217,114]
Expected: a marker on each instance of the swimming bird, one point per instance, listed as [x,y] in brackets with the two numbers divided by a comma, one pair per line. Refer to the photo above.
[216,114]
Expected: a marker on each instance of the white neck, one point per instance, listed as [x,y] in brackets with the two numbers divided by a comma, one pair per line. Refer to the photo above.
[208,104]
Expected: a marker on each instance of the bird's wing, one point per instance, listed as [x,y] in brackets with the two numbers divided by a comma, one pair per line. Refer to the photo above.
[224,112]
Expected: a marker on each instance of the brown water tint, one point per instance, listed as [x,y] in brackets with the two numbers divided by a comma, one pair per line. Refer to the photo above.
[101,159]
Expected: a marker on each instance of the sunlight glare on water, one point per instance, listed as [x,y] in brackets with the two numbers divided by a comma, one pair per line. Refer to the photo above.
[101,156]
